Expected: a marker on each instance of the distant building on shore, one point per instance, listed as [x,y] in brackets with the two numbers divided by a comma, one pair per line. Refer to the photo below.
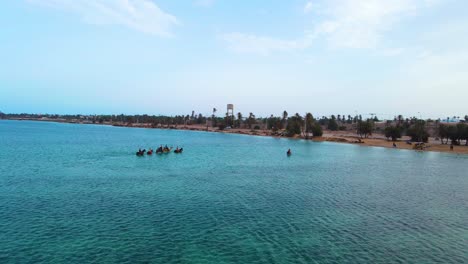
[455,119]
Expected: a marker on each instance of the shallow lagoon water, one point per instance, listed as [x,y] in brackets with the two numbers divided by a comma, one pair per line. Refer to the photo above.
[78,194]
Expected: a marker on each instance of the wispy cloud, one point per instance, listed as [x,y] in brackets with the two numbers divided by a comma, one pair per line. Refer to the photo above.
[247,43]
[141,15]
[363,23]
[357,24]
[308,7]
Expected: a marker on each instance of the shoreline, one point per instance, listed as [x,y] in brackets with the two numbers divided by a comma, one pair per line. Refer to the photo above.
[345,137]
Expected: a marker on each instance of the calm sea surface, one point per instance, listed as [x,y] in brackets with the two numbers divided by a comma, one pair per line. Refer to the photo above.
[78,194]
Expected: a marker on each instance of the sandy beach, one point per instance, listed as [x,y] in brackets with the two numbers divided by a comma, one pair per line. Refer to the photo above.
[380,141]
[347,137]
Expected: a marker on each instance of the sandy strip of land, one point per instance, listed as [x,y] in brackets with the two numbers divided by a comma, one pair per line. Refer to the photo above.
[376,140]
[381,141]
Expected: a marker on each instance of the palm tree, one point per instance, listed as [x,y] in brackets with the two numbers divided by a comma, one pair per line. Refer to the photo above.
[251,119]
[227,120]
[270,122]
[239,119]
[213,117]
[285,118]
[400,119]
[309,119]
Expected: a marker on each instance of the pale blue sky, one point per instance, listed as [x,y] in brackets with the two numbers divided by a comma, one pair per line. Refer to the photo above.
[172,57]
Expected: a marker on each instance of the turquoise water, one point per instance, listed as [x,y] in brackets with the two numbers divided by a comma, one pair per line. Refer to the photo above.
[78,194]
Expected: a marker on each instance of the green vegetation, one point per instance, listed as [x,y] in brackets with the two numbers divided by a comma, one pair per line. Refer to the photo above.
[443,133]
[228,121]
[303,125]
[317,130]
[213,118]
[462,133]
[251,120]
[393,132]
[309,123]
[238,122]
[285,118]
[418,131]
[298,125]
[456,133]
[119,119]
[365,128]
[332,124]
[294,126]
[274,123]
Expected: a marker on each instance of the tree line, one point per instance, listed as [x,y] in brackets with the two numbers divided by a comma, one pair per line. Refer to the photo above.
[417,131]
[455,133]
[285,125]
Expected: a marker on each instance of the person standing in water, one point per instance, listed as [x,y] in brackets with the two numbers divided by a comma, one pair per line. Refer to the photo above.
[289,152]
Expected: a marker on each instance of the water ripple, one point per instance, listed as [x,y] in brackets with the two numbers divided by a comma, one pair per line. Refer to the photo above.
[227,199]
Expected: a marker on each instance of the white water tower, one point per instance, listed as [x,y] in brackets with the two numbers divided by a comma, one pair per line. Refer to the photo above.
[230,110]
